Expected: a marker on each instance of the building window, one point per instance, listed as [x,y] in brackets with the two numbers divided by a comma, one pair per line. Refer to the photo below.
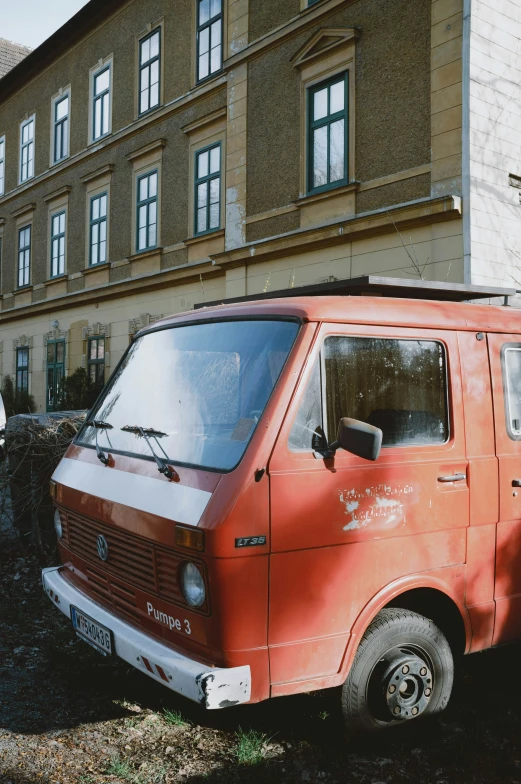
[313,2]
[209,38]
[24,256]
[2,165]
[27,150]
[149,54]
[327,138]
[147,211]
[208,189]
[101,103]
[55,373]
[58,244]
[22,370]
[96,361]
[61,128]
[98,229]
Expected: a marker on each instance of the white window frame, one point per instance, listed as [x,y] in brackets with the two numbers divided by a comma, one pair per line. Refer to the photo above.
[56,99]
[2,166]
[23,124]
[102,65]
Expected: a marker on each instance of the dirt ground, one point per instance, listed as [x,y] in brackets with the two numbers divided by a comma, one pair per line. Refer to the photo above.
[69,716]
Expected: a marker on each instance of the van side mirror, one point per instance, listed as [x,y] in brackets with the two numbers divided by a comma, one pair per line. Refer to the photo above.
[359,438]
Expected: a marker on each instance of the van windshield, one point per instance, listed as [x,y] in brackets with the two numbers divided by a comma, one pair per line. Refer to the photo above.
[200,388]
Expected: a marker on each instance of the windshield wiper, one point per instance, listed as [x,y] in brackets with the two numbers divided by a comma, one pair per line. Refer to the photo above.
[147,433]
[98,424]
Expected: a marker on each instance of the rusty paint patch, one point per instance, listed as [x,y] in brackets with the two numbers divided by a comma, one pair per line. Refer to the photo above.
[383,504]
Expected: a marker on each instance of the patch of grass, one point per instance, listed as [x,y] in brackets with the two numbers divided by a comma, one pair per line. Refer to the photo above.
[174,718]
[122,769]
[323,715]
[250,746]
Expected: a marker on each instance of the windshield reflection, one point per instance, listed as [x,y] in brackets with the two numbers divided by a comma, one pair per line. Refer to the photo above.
[204,386]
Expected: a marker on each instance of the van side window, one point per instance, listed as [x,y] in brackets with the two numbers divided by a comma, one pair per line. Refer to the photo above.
[399,386]
[512,382]
[309,416]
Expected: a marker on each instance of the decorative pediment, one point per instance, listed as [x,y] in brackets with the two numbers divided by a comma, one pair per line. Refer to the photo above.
[22,342]
[134,325]
[323,42]
[95,330]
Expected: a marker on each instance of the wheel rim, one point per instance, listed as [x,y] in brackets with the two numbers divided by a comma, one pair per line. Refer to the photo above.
[401,684]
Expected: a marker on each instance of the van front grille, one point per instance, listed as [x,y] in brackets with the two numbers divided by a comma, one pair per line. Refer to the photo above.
[132,562]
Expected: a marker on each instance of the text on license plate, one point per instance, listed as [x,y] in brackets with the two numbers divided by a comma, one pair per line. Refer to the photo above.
[92,632]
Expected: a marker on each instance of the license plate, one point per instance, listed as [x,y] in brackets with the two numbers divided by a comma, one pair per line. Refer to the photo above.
[92,632]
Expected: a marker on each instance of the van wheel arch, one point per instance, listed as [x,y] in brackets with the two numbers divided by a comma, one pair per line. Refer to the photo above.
[438,607]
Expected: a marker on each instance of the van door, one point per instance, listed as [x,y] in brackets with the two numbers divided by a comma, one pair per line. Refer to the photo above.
[505,364]
[342,529]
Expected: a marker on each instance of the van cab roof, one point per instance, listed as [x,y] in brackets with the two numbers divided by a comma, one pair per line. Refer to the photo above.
[371,300]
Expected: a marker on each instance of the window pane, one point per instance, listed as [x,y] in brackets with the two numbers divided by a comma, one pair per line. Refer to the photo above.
[56,224]
[154,95]
[215,8]
[320,104]
[95,208]
[152,186]
[154,45]
[201,219]
[103,206]
[142,216]
[101,348]
[202,165]
[337,97]
[62,108]
[204,11]
[50,352]
[152,212]
[103,231]
[202,195]
[102,252]
[216,33]
[152,235]
[336,151]
[145,78]
[513,378]
[97,119]
[101,82]
[145,51]
[320,157]
[215,160]
[396,385]
[105,125]
[204,65]
[214,216]
[142,239]
[204,41]
[143,189]
[62,223]
[308,422]
[60,352]
[215,190]
[154,72]
[95,233]
[216,59]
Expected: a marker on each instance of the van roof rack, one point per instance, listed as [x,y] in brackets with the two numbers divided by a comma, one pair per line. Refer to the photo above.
[377,286]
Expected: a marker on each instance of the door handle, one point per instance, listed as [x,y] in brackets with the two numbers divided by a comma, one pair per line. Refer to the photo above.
[453,478]
[516,482]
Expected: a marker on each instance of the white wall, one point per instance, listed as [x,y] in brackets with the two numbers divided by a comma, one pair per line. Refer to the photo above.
[493,102]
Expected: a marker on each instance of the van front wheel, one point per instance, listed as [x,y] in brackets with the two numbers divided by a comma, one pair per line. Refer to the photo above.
[403,669]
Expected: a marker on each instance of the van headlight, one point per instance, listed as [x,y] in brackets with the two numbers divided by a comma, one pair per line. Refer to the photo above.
[192,585]
[58,524]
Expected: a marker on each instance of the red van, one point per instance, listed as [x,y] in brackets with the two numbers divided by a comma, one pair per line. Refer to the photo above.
[296,493]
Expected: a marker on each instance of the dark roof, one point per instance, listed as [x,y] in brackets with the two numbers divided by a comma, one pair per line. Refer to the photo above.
[90,16]
[10,55]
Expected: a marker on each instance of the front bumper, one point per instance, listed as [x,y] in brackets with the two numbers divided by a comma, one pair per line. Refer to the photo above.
[212,687]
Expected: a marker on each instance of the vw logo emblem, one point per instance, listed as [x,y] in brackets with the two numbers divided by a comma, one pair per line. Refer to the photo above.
[103,548]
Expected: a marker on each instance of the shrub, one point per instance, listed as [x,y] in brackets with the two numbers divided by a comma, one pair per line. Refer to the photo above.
[16,401]
[78,392]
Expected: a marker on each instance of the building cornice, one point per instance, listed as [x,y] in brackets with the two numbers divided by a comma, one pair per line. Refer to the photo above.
[58,193]
[30,207]
[159,144]
[402,217]
[95,175]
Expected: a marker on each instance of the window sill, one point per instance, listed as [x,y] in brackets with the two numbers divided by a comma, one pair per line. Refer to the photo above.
[94,268]
[145,254]
[56,279]
[207,235]
[351,187]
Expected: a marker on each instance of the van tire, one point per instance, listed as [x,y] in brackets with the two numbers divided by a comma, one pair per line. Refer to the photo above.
[397,642]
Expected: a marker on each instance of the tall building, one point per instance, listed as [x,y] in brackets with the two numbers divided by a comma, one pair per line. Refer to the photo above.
[156,154]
